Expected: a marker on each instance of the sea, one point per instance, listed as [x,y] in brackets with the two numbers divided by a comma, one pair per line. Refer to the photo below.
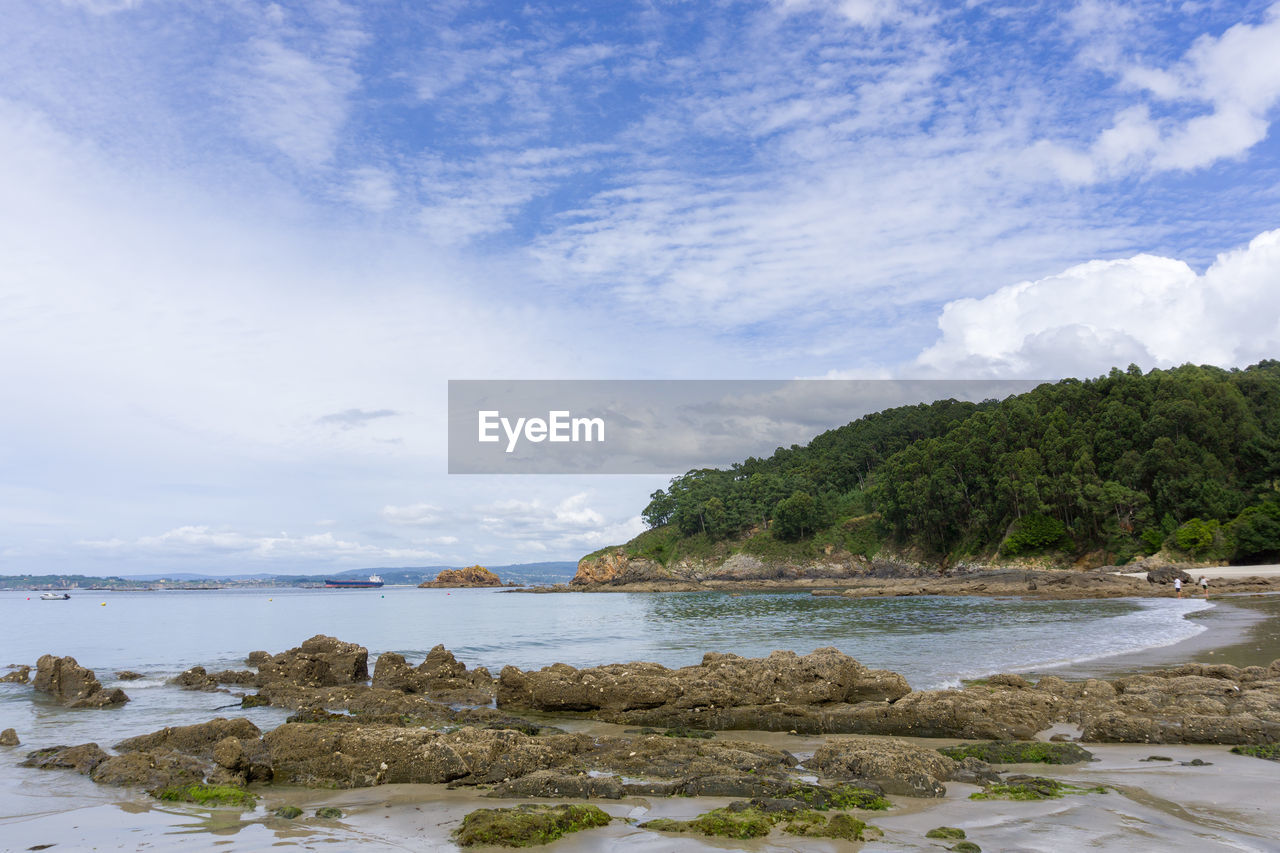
[934,642]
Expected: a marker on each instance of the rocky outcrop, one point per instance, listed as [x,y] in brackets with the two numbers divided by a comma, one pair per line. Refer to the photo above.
[349,755]
[471,576]
[441,676]
[724,691]
[321,661]
[73,685]
[19,674]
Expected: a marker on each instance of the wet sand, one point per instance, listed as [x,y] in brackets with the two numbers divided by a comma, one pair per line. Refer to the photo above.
[1227,805]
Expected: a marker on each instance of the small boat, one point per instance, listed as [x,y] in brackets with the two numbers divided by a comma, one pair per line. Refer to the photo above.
[55,596]
[372,583]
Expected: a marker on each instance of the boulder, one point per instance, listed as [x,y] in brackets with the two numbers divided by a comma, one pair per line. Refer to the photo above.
[19,674]
[74,685]
[9,737]
[319,662]
[82,758]
[156,771]
[199,739]
[896,766]
[440,676]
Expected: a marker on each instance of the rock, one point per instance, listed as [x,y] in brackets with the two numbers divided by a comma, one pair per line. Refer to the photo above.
[527,825]
[199,739]
[769,687]
[82,759]
[257,658]
[547,784]
[1167,574]
[74,685]
[128,675]
[952,833]
[440,676]
[350,754]
[9,737]
[724,823]
[19,674]
[288,812]
[898,767]
[471,576]
[329,812]
[207,795]
[1007,679]
[157,771]
[319,662]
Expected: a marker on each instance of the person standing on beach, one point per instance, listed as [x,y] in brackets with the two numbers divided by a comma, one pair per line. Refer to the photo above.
[1177,585]
[1204,585]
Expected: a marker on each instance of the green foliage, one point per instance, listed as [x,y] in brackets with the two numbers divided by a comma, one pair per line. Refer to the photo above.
[795,516]
[1255,533]
[1119,462]
[1034,534]
[527,825]
[1269,751]
[208,795]
[1019,752]
[1196,536]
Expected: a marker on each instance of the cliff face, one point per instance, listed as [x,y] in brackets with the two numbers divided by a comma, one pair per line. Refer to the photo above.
[615,567]
[471,576]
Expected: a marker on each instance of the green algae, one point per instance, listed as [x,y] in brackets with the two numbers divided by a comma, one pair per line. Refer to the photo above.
[527,825]
[1032,788]
[1269,751]
[207,795]
[947,832]
[1019,752]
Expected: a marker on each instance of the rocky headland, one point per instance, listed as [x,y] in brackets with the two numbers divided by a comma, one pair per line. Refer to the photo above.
[837,572]
[471,576]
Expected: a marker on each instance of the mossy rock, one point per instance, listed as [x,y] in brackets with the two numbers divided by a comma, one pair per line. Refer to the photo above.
[207,795]
[254,700]
[966,847]
[527,825]
[839,825]
[1019,752]
[948,832]
[837,797]
[1031,788]
[1269,751]
[288,812]
[329,812]
[720,823]
[680,731]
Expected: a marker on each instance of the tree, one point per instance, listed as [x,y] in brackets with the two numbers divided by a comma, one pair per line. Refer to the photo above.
[795,516]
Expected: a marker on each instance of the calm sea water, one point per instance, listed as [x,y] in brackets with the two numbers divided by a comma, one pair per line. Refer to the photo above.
[932,641]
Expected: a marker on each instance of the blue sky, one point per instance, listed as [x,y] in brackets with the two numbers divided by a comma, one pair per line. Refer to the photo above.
[247,243]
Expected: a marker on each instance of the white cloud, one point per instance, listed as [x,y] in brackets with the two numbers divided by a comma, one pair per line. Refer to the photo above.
[1216,102]
[413,514]
[372,189]
[568,524]
[1148,310]
[204,541]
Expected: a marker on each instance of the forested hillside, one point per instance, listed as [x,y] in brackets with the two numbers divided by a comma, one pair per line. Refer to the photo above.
[1187,460]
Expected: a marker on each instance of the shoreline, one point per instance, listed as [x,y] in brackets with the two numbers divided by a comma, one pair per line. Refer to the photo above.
[1180,804]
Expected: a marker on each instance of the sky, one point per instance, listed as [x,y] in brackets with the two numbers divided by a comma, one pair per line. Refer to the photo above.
[246,245]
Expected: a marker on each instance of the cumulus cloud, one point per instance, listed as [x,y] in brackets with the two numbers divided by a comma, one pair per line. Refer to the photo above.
[1148,310]
[1214,102]
[543,527]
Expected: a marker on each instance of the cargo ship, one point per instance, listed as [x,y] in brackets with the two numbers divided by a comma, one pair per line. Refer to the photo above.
[372,583]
